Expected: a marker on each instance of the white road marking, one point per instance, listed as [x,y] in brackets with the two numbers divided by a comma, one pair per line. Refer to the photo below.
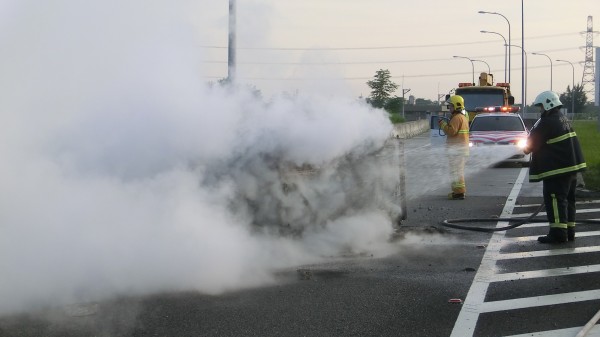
[541,224]
[525,215]
[595,332]
[523,275]
[534,237]
[468,316]
[538,301]
[475,304]
[550,252]
[584,202]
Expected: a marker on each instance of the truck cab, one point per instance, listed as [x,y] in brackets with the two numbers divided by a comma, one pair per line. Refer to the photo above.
[486,97]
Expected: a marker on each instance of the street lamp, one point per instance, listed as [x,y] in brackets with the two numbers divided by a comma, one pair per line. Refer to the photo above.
[505,47]
[231,49]
[524,78]
[523,62]
[488,66]
[550,66]
[404,91]
[495,13]
[572,86]
[472,66]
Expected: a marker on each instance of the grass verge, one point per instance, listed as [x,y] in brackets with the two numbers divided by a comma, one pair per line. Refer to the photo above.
[589,137]
[396,118]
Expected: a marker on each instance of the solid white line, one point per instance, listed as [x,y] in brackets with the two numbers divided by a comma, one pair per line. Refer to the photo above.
[551,252]
[538,301]
[523,275]
[595,332]
[469,314]
[589,326]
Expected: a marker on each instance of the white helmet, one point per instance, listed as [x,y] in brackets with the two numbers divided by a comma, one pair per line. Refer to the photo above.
[548,100]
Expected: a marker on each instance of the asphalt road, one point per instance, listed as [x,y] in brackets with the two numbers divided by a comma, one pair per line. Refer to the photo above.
[508,284]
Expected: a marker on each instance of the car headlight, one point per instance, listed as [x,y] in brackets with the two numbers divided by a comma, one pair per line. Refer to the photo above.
[522,143]
[471,144]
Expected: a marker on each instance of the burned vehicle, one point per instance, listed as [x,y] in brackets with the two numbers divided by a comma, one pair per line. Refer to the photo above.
[287,198]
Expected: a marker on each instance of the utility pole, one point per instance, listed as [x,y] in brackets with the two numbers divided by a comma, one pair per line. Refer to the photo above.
[231,43]
[588,79]
[404,91]
[524,90]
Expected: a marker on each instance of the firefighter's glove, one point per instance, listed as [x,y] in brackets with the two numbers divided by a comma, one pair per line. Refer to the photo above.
[442,123]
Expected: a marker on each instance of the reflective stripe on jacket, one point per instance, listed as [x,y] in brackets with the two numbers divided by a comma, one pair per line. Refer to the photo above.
[457,132]
[554,146]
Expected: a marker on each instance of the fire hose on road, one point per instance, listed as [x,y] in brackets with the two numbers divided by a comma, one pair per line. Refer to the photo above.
[453,223]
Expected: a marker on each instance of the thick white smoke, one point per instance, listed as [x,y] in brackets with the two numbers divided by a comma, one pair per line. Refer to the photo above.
[121,167]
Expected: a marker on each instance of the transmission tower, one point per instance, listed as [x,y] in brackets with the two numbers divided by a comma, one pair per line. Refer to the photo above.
[588,79]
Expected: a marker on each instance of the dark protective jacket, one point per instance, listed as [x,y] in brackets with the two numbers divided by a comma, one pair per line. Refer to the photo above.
[554,147]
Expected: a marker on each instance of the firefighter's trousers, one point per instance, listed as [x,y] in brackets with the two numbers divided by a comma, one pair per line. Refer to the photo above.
[457,173]
[559,198]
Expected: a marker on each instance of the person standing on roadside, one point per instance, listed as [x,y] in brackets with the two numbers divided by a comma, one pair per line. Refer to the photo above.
[556,157]
[457,141]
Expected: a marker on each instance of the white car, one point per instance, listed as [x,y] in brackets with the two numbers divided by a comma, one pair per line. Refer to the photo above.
[501,128]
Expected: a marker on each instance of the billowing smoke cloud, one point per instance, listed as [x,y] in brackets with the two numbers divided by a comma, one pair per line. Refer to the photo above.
[123,172]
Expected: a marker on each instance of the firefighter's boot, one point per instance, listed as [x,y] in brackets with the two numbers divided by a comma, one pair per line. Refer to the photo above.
[555,235]
[456,196]
[571,232]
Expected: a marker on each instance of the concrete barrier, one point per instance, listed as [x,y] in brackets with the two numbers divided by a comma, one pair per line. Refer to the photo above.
[410,129]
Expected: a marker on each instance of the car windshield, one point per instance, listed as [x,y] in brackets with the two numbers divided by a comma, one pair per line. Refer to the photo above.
[481,98]
[497,123]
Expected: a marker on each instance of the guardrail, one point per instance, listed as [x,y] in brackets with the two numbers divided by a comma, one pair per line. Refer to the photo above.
[410,129]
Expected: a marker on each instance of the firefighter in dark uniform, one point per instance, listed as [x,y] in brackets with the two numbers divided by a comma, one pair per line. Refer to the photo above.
[556,157]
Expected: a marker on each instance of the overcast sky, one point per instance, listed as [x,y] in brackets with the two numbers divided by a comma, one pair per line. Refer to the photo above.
[293,45]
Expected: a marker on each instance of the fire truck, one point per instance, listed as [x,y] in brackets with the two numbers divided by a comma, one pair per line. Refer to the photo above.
[486,97]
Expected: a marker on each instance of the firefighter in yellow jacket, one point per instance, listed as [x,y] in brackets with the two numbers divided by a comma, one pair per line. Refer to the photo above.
[457,141]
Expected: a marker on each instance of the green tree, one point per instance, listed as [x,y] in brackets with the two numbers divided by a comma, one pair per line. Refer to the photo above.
[382,88]
[580,98]
[393,105]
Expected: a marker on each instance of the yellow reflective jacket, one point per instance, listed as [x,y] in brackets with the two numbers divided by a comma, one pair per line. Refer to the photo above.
[457,132]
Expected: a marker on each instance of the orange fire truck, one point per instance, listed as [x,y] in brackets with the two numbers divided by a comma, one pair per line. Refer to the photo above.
[486,97]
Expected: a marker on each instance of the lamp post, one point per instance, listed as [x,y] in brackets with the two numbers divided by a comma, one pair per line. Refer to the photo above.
[550,66]
[505,47]
[488,66]
[524,79]
[495,13]
[472,66]
[523,63]
[572,86]
[231,64]
[404,91]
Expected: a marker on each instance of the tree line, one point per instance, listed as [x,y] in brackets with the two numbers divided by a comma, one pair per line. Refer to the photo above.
[383,89]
